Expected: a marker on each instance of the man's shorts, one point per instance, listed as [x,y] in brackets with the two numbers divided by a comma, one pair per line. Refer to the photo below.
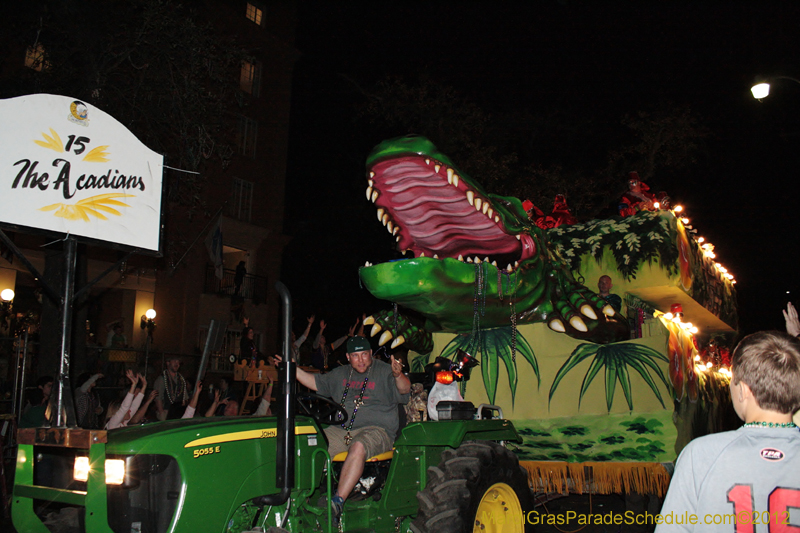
[374,438]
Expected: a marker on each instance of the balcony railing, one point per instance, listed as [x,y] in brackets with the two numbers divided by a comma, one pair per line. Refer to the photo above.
[252,288]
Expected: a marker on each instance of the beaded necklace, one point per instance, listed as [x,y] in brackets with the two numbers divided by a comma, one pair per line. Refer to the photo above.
[358,403]
[769,425]
[176,391]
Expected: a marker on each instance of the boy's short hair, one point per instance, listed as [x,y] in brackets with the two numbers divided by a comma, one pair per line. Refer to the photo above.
[769,363]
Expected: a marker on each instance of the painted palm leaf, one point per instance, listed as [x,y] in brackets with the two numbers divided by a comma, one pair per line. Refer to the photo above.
[493,346]
[616,361]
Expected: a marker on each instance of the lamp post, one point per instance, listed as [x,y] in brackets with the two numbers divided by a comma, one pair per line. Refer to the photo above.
[761,88]
[6,305]
[148,323]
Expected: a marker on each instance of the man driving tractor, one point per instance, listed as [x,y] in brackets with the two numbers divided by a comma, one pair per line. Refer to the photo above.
[370,391]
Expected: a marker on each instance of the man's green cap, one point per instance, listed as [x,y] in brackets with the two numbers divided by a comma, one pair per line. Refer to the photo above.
[357,344]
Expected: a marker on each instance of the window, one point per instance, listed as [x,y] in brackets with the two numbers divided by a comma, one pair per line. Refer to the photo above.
[241,201]
[34,58]
[247,135]
[254,13]
[250,78]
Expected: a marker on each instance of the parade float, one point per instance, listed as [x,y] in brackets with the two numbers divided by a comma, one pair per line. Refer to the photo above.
[602,397]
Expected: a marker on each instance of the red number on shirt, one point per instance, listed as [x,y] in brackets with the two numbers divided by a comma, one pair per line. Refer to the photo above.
[741,496]
[780,500]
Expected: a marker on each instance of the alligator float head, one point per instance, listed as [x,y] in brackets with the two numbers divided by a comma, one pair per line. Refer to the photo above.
[477,258]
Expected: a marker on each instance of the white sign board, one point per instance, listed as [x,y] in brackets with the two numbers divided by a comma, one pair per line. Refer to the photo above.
[68,167]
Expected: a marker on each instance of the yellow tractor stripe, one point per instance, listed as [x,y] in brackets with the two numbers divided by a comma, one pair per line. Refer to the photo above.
[247,435]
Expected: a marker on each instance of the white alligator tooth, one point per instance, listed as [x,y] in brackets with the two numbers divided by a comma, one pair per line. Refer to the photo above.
[389,226]
[422,254]
[461,258]
[494,264]
[557,325]
[398,341]
[608,310]
[366,264]
[436,168]
[427,161]
[471,197]
[508,268]
[385,219]
[397,239]
[371,175]
[450,176]
[395,230]
[485,207]
[469,260]
[380,214]
[374,196]
[455,180]
[369,192]
[517,236]
[478,204]
[375,330]
[490,214]
[588,311]
[578,323]
[371,183]
[369,320]
[436,256]
[497,219]
[516,264]
[486,259]
[477,259]
[385,337]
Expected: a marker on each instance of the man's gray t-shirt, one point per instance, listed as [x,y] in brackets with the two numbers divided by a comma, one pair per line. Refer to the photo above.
[380,395]
[750,470]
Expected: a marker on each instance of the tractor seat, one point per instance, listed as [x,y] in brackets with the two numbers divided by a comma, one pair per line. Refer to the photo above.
[385,456]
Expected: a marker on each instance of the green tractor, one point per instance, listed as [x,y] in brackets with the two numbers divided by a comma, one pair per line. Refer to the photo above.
[248,474]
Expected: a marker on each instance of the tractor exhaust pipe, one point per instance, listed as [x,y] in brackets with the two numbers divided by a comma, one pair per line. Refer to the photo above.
[284,473]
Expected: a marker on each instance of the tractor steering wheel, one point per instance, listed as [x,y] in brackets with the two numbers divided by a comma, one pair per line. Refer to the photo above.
[322,409]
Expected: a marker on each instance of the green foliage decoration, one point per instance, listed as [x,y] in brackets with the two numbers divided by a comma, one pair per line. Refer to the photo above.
[644,237]
[494,345]
[615,359]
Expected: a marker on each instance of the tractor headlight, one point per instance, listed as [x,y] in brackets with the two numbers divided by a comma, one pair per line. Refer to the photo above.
[81,470]
[115,470]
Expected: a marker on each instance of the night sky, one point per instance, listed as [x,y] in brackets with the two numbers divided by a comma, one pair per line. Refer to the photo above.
[600,60]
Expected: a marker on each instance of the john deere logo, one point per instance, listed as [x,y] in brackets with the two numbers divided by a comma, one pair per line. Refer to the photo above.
[772,454]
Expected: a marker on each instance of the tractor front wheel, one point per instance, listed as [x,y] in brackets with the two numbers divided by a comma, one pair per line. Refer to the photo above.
[479,486]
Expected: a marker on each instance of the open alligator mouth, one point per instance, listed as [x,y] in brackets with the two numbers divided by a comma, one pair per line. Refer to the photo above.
[432,212]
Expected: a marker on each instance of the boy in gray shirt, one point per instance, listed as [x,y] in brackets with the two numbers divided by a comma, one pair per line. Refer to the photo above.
[748,479]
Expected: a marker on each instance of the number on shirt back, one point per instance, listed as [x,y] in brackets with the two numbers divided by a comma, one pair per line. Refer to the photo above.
[775,518]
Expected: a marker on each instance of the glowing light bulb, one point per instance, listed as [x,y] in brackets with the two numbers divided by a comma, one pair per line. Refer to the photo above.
[656,205]
[667,316]
[701,239]
[678,208]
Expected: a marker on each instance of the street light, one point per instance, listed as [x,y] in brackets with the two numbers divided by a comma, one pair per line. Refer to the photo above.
[761,89]
[7,295]
[148,322]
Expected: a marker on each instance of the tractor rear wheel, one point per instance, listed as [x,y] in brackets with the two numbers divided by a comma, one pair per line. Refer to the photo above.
[479,486]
